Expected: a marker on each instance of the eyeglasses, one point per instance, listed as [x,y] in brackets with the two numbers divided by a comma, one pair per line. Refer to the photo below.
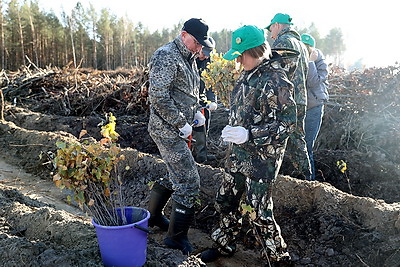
[195,41]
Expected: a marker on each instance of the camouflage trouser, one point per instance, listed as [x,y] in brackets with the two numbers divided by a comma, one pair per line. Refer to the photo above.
[296,149]
[242,201]
[183,176]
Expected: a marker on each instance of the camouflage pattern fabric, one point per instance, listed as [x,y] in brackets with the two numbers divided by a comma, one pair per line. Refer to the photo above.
[183,176]
[173,95]
[242,201]
[296,149]
[263,103]
[296,70]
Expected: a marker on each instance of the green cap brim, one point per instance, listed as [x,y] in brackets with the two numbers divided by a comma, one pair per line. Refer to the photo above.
[232,54]
[269,26]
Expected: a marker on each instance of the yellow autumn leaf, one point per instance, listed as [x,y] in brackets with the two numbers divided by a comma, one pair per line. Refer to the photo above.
[220,75]
[104,141]
[107,192]
[341,165]
[58,183]
[82,133]
[108,130]
[246,208]
[56,177]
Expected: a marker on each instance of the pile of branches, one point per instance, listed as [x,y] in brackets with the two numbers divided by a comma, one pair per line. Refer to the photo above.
[77,92]
[363,112]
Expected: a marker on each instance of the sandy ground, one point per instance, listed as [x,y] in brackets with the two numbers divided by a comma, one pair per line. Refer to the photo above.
[35,187]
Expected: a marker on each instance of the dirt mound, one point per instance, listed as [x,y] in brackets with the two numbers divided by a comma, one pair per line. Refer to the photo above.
[335,221]
[321,224]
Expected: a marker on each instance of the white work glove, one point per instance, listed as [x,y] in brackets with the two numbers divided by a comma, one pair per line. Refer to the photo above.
[237,134]
[185,131]
[211,106]
[199,119]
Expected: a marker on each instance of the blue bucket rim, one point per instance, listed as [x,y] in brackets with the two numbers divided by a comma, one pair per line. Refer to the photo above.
[124,226]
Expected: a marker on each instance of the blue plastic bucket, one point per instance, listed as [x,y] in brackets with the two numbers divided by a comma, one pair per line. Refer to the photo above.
[124,245]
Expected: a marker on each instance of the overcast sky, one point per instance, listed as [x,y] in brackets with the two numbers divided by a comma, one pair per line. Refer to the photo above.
[370,28]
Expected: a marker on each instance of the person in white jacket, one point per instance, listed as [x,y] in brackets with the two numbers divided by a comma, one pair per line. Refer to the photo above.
[317,95]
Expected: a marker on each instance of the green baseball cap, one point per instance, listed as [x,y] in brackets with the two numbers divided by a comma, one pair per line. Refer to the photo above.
[308,39]
[280,18]
[244,38]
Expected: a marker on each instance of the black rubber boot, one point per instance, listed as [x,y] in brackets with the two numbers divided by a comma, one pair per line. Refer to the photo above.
[212,254]
[181,219]
[159,197]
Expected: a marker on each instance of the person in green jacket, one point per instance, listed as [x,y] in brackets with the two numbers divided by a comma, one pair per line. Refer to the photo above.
[262,116]
[285,36]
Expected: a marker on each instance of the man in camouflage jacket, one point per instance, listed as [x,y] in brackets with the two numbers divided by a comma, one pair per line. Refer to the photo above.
[296,68]
[174,109]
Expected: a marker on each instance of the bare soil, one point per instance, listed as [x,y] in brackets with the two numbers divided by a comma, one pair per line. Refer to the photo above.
[339,220]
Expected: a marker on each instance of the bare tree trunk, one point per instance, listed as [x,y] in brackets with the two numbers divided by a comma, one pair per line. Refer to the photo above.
[34,42]
[93,18]
[66,48]
[94,45]
[2,97]
[72,40]
[83,58]
[94,52]
[2,48]
[135,51]
[121,44]
[112,59]
[21,37]
[41,58]
[107,46]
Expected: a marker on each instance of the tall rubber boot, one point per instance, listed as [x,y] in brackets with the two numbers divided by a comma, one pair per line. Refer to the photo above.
[181,219]
[159,197]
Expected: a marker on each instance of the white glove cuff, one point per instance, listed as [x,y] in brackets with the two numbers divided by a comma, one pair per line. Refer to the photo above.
[199,119]
[212,106]
[185,131]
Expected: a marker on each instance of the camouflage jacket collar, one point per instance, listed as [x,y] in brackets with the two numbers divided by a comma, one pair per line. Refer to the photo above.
[263,66]
[246,76]
[185,52]
[290,31]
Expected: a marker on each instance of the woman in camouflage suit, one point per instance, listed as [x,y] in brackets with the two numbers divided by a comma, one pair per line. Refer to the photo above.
[262,115]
